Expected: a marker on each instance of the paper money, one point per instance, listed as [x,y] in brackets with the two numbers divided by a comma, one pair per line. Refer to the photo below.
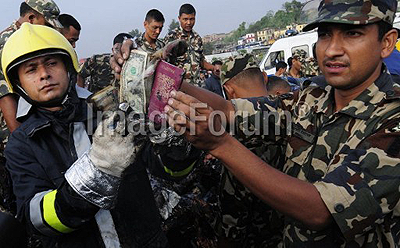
[132,85]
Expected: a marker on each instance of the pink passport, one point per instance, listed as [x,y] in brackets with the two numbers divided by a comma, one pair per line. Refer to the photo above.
[167,78]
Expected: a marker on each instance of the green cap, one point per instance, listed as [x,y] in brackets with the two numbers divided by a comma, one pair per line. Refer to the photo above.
[48,9]
[355,12]
[235,65]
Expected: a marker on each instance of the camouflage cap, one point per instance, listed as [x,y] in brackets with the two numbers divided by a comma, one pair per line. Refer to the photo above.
[49,10]
[235,65]
[300,55]
[356,12]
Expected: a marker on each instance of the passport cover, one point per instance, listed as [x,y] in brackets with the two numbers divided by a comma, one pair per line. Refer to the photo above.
[167,78]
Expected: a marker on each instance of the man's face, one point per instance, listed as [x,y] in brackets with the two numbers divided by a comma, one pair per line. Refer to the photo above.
[153,29]
[349,55]
[217,70]
[187,21]
[296,64]
[202,76]
[38,19]
[71,34]
[282,71]
[44,78]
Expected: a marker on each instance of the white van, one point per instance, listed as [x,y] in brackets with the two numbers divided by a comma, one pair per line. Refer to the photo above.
[283,48]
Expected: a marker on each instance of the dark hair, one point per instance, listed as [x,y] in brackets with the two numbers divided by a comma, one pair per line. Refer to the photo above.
[155,15]
[120,38]
[68,20]
[276,82]
[383,28]
[314,51]
[25,8]
[217,62]
[280,64]
[187,8]
[253,75]
[290,62]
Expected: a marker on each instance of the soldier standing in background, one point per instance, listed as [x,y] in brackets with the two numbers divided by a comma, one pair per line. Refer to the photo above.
[71,28]
[193,60]
[96,74]
[153,25]
[213,83]
[148,42]
[245,220]
[340,186]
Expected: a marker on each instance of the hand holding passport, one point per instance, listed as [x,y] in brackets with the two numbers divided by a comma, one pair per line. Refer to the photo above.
[167,78]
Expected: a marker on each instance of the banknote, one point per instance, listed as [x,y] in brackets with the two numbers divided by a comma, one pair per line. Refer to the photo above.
[132,85]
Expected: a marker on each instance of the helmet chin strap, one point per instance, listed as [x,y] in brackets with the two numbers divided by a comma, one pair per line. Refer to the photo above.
[57,102]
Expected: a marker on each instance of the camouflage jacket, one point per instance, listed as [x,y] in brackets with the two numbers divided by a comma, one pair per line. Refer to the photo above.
[192,59]
[350,156]
[4,88]
[309,67]
[145,46]
[4,35]
[97,72]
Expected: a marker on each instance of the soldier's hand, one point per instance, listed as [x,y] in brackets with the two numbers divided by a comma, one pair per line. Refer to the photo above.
[201,126]
[120,52]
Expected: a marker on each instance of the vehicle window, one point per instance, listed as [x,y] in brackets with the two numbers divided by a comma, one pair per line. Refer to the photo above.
[302,47]
[273,59]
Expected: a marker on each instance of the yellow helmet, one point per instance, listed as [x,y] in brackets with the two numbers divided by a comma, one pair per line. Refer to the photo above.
[31,41]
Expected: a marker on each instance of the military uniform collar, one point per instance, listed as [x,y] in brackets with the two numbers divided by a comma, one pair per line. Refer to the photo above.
[16,25]
[143,41]
[189,34]
[362,107]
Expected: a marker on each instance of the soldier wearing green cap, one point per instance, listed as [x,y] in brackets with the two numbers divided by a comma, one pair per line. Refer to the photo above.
[245,220]
[341,177]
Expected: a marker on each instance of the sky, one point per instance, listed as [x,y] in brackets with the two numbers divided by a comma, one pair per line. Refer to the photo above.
[101,20]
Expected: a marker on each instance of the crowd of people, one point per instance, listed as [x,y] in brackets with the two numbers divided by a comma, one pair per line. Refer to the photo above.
[307,157]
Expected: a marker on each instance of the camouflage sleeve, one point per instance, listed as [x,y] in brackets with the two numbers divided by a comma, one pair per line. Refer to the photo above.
[86,68]
[362,191]
[169,37]
[4,87]
[264,117]
[201,49]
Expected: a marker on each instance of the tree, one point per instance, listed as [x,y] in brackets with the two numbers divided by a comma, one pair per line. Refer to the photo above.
[293,8]
[135,33]
[174,24]
[208,48]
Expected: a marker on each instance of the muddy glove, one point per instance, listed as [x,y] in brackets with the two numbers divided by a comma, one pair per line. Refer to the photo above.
[171,51]
[105,99]
[112,151]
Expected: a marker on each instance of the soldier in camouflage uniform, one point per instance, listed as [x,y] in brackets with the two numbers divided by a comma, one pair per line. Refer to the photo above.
[245,220]
[309,67]
[96,72]
[298,55]
[153,24]
[148,42]
[43,12]
[341,181]
[193,60]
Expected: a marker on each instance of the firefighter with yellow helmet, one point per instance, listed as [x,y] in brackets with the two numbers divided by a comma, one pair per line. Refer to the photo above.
[73,189]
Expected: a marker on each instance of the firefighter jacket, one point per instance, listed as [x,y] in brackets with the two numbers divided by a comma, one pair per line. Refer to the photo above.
[40,153]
